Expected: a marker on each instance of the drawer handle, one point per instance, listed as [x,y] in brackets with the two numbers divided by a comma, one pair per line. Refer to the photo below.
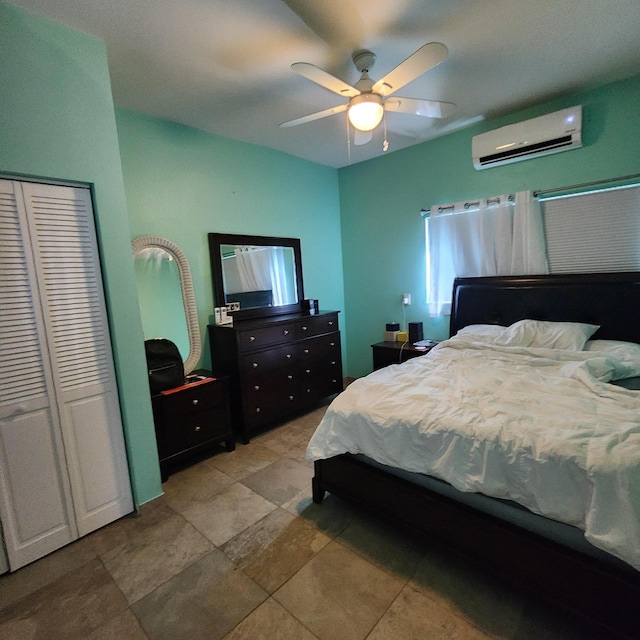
[307,371]
[197,428]
[288,355]
[194,401]
[333,362]
[252,338]
[289,377]
[285,332]
[334,381]
[308,390]
[304,328]
[257,409]
[256,388]
[290,397]
[331,323]
[306,350]
[254,365]
[332,344]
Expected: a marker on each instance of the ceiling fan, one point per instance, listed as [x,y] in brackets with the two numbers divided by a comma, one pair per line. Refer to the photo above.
[369,99]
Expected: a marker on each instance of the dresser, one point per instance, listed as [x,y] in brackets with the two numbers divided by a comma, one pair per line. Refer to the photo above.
[277,365]
[192,419]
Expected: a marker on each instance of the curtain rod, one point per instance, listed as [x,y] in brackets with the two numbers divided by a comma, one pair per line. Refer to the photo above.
[543,192]
[634,176]
[467,205]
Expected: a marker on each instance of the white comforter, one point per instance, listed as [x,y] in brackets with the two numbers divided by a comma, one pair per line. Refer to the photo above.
[542,427]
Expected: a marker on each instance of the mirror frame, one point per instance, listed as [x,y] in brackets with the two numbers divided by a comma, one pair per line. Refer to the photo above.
[216,240]
[188,295]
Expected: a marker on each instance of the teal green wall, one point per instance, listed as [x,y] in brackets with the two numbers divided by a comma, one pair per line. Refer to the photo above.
[380,200]
[57,122]
[182,183]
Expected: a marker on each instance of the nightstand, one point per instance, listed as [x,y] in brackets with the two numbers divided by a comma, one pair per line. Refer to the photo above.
[386,353]
[191,419]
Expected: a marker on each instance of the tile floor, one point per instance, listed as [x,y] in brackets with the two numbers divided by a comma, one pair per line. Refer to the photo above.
[236,550]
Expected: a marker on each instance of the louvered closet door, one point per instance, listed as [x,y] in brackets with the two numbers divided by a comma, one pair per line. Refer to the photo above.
[58,232]
[35,499]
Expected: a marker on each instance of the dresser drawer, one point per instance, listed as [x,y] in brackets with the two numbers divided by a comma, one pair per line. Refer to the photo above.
[316,325]
[264,361]
[321,382]
[266,336]
[263,407]
[322,349]
[271,382]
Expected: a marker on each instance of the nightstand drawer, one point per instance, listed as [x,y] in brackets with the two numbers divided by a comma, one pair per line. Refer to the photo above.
[198,430]
[199,399]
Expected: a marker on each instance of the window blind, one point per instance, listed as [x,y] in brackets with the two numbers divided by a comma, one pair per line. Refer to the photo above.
[595,231]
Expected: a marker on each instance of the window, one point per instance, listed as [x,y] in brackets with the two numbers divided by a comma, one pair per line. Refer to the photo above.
[595,231]
[498,236]
[579,233]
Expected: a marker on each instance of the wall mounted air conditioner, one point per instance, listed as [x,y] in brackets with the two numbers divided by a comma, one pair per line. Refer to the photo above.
[558,131]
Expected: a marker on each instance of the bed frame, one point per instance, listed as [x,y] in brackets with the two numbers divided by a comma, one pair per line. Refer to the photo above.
[606,593]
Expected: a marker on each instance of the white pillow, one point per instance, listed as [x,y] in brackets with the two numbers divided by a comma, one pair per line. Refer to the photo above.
[482,332]
[543,334]
[615,349]
[626,356]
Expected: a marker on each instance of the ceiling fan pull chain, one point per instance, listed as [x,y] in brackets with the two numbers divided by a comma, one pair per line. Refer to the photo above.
[348,141]
[385,142]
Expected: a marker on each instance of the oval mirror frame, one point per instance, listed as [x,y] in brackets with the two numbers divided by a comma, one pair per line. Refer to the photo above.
[188,296]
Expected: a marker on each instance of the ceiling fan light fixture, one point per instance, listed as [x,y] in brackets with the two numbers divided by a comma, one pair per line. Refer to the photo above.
[365,111]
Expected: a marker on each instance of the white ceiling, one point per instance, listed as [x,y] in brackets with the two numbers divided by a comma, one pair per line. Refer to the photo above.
[223,65]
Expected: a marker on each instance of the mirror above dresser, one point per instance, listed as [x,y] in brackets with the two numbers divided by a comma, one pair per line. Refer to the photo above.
[263,274]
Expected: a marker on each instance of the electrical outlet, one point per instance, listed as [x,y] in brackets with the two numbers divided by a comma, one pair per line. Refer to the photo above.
[233,306]
[406,298]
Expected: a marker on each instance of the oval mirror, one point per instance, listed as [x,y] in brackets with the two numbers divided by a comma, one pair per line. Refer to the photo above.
[166,297]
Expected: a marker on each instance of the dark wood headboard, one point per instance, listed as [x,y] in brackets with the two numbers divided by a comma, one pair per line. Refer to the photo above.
[611,300]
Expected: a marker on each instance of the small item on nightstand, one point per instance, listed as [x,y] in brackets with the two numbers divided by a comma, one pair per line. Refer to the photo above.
[390,336]
[402,336]
[393,326]
[427,344]
[415,332]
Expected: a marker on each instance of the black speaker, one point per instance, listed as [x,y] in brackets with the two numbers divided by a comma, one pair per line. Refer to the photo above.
[310,306]
[415,332]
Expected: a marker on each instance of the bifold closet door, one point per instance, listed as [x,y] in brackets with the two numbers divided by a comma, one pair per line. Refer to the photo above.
[63,469]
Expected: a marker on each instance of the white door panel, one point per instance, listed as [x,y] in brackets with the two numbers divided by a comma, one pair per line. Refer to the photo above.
[36,517]
[63,469]
[99,477]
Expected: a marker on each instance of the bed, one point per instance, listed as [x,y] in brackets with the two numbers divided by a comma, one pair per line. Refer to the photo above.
[493,492]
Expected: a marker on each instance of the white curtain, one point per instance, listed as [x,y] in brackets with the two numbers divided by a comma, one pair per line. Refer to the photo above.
[254,268]
[284,291]
[266,268]
[497,236]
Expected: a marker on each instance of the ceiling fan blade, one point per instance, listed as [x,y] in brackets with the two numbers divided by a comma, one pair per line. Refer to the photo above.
[425,58]
[324,79]
[427,108]
[315,116]
[361,137]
